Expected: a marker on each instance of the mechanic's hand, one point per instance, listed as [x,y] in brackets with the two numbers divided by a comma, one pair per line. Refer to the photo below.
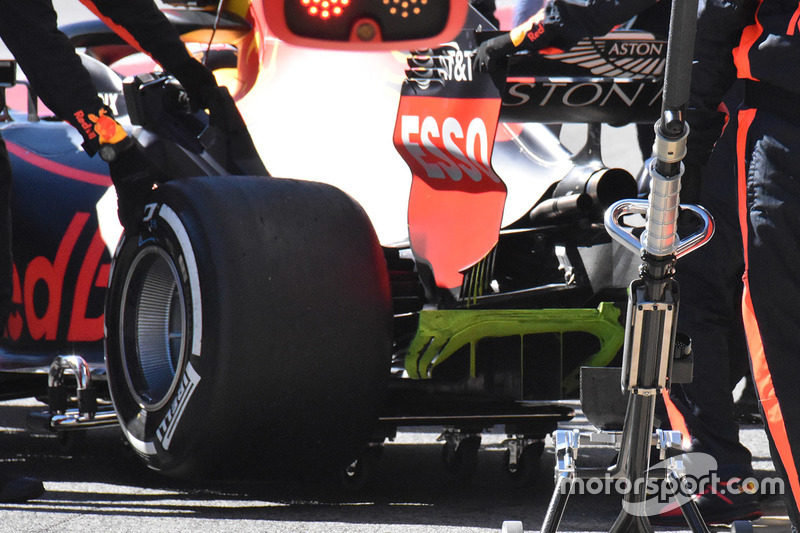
[133,175]
[204,93]
[490,55]
[198,81]
[530,35]
[222,110]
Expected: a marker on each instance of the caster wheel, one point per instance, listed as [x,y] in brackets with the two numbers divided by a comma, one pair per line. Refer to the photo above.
[742,526]
[361,472]
[460,456]
[512,526]
[71,442]
[524,472]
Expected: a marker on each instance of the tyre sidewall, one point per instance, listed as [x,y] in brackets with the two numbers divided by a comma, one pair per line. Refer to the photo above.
[153,432]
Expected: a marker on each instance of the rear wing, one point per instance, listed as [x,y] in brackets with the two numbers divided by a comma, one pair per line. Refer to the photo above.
[445,131]
[449,113]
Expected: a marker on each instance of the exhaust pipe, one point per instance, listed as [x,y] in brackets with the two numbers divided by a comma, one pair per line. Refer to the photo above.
[585,192]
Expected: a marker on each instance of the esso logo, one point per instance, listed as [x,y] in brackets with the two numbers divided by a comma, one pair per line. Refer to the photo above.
[448,150]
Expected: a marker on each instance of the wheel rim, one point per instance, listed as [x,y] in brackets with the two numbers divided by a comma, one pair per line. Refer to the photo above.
[153,327]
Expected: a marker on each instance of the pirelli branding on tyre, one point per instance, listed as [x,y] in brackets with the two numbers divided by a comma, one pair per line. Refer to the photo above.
[187,387]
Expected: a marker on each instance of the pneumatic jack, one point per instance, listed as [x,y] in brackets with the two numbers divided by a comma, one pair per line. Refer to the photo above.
[648,359]
[651,317]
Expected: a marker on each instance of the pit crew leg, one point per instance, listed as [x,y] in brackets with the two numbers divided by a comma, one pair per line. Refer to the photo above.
[30,31]
[13,489]
[768,150]
[710,281]
[6,263]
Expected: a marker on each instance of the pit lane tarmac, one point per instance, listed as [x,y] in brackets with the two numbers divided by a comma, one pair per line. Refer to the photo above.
[98,485]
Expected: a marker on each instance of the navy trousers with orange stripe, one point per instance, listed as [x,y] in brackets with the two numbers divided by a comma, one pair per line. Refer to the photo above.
[710,281]
[767,147]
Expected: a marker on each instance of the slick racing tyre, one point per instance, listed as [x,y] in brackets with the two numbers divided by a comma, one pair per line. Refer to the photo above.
[248,329]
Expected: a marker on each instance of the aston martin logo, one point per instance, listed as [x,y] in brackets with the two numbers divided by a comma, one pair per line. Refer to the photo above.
[621,54]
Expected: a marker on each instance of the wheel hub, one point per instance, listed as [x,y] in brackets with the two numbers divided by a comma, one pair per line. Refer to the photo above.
[154,322]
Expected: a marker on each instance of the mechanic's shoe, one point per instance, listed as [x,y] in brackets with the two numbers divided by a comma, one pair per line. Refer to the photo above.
[723,506]
[19,489]
[745,408]
[747,415]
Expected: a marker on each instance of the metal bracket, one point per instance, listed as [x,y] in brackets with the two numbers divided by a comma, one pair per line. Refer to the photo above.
[670,150]
[670,440]
[621,233]
[76,365]
[650,334]
[58,417]
[566,451]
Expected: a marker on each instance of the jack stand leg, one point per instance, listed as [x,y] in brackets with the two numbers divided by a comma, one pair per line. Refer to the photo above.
[692,514]
[634,459]
[629,522]
[671,440]
[566,447]
[558,503]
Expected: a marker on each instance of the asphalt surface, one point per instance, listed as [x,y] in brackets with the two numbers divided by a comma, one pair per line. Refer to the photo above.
[100,486]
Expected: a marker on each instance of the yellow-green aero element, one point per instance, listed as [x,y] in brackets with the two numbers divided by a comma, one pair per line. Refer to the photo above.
[441,333]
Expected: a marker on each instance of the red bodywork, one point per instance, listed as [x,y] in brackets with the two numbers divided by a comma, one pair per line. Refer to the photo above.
[456,203]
